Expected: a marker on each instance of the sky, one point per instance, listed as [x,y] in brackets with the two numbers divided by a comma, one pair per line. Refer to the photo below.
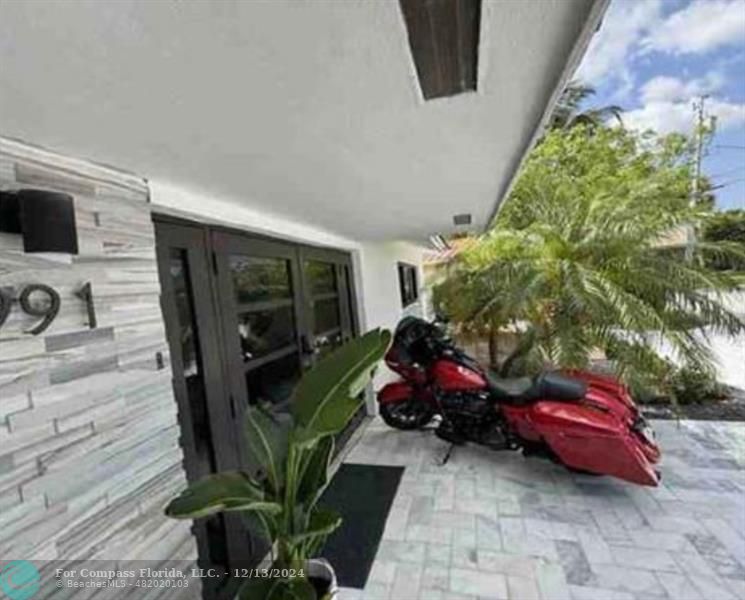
[654,57]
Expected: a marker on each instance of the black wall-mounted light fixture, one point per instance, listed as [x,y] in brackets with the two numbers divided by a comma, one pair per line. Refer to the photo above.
[46,220]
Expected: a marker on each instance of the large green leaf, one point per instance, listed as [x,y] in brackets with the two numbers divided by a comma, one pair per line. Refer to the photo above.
[325,397]
[220,492]
[267,438]
[315,476]
[322,522]
[340,411]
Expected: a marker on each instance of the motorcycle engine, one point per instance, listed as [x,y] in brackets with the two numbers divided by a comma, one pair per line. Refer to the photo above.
[471,416]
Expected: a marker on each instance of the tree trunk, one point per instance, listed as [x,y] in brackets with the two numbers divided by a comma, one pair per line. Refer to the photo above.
[524,346]
[494,348]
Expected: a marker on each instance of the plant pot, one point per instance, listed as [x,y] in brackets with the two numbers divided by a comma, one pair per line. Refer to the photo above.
[322,576]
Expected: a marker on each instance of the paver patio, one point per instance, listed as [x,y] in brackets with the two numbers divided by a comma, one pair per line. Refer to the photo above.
[496,525]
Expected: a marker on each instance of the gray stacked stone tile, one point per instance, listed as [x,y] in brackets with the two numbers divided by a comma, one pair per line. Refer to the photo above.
[89,451]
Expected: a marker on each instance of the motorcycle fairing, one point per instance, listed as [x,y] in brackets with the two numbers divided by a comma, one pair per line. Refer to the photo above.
[396,391]
[597,434]
[452,376]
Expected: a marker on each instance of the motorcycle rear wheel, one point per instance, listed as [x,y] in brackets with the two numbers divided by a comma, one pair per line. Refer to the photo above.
[407,415]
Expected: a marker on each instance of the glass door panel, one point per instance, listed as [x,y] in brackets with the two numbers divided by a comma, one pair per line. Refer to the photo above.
[329,298]
[323,297]
[265,331]
[267,327]
[282,307]
[260,278]
[272,382]
[261,318]
[188,360]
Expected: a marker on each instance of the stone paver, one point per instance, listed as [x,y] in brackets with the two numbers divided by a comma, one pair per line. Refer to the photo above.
[494,525]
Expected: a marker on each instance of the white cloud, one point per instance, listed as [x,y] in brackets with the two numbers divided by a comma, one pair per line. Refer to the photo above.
[666,116]
[622,30]
[671,89]
[701,26]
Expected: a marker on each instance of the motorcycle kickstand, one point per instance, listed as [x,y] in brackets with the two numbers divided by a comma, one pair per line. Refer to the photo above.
[447,456]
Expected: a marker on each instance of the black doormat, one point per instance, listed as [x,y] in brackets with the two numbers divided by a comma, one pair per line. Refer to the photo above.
[363,495]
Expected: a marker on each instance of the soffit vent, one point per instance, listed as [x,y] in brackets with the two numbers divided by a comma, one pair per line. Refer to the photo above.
[444,43]
[462,219]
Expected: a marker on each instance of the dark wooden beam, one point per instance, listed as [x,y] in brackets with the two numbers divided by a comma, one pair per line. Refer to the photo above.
[444,43]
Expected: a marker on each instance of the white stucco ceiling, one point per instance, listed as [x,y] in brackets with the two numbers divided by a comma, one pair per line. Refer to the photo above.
[309,110]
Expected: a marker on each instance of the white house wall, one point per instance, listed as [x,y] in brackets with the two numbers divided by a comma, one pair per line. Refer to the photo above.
[380,286]
[728,352]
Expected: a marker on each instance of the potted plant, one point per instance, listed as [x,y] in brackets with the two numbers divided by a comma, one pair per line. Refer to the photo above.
[291,453]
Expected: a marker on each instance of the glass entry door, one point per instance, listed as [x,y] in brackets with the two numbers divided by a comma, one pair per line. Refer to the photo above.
[282,306]
[245,316]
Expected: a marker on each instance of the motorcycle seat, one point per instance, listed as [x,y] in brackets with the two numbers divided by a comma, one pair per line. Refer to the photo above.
[525,390]
[515,389]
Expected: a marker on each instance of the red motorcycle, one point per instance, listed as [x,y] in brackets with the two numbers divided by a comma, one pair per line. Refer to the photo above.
[587,422]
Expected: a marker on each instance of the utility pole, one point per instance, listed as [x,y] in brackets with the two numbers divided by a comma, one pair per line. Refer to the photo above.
[698,106]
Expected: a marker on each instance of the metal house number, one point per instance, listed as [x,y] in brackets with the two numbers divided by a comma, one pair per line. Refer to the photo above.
[47,311]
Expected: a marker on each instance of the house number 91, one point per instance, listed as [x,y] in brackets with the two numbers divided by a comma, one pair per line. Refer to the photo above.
[46,311]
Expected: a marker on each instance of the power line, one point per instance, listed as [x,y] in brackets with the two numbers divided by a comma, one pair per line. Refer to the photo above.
[721,185]
[729,146]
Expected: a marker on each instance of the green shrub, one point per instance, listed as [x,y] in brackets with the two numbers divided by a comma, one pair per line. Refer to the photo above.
[678,386]
[690,385]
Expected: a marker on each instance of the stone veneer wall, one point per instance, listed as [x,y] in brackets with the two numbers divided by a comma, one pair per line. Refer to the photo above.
[89,439]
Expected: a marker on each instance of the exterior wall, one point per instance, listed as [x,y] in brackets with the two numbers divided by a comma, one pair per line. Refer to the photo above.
[379,270]
[381,292]
[89,450]
[730,357]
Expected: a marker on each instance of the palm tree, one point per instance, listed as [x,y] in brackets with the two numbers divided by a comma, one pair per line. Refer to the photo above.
[590,277]
[567,113]
[576,262]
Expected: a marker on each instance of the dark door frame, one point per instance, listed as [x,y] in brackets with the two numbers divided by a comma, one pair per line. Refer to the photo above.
[222,372]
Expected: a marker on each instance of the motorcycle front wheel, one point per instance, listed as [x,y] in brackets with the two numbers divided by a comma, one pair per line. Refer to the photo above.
[408,414]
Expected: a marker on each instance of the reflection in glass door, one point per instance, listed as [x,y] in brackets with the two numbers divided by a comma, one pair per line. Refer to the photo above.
[267,327]
[283,306]
[327,299]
